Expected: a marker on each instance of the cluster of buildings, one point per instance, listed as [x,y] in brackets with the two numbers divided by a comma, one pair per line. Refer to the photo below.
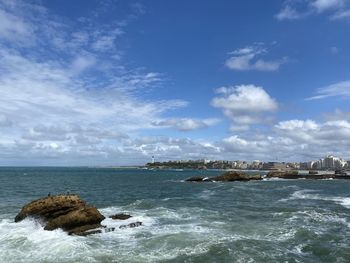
[330,162]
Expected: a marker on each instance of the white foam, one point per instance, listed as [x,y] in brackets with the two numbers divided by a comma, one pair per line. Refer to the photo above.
[310,194]
[274,179]
[27,241]
[323,217]
[165,234]
[206,194]
[344,201]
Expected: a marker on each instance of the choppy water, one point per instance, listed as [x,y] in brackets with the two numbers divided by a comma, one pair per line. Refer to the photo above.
[265,221]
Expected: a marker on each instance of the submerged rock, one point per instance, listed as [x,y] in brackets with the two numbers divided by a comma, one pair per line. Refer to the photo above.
[120,216]
[67,212]
[131,225]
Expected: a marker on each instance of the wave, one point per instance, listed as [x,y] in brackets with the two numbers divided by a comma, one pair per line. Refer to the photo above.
[165,234]
[206,194]
[27,241]
[313,195]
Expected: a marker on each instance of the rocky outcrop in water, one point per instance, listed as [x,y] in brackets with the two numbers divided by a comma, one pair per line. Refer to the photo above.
[67,212]
[226,177]
[235,176]
[196,179]
[296,175]
[283,174]
[120,216]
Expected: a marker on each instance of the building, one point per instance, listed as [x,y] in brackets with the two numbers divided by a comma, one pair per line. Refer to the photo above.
[274,166]
[311,165]
[330,162]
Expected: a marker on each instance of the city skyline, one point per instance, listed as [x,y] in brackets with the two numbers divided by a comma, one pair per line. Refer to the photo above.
[327,162]
[114,82]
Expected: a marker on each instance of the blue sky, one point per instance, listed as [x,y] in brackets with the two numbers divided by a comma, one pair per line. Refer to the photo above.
[115,82]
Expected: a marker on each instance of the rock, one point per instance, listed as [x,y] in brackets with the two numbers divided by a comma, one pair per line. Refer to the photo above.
[346,177]
[67,212]
[235,176]
[109,229]
[195,179]
[206,179]
[120,216]
[284,174]
[89,232]
[340,172]
[131,225]
[295,175]
[226,177]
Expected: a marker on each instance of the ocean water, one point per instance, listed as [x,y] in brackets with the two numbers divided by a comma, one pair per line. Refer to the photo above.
[259,221]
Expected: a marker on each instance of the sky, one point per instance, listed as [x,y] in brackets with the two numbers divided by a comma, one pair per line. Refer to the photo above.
[117,82]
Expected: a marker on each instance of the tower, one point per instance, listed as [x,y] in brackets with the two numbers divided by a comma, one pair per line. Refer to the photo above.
[152,158]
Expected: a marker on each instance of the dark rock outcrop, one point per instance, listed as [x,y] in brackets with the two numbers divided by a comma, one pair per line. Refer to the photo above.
[226,177]
[235,176]
[196,179]
[67,212]
[296,175]
[120,216]
[283,174]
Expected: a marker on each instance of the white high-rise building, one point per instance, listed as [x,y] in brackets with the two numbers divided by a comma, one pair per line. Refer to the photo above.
[310,165]
[332,162]
[329,162]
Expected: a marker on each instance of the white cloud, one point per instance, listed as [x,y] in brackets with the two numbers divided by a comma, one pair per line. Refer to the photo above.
[342,14]
[330,135]
[4,121]
[50,92]
[185,124]
[244,105]
[244,98]
[334,50]
[106,40]
[247,59]
[337,115]
[83,62]
[339,89]
[14,28]
[292,140]
[66,100]
[289,13]
[165,148]
[293,10]
[297,124]
[324,5]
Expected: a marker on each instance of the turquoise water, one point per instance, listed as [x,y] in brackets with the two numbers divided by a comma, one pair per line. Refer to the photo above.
[258,221]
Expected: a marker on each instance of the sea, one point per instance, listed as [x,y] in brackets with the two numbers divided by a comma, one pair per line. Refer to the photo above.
[273,220]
